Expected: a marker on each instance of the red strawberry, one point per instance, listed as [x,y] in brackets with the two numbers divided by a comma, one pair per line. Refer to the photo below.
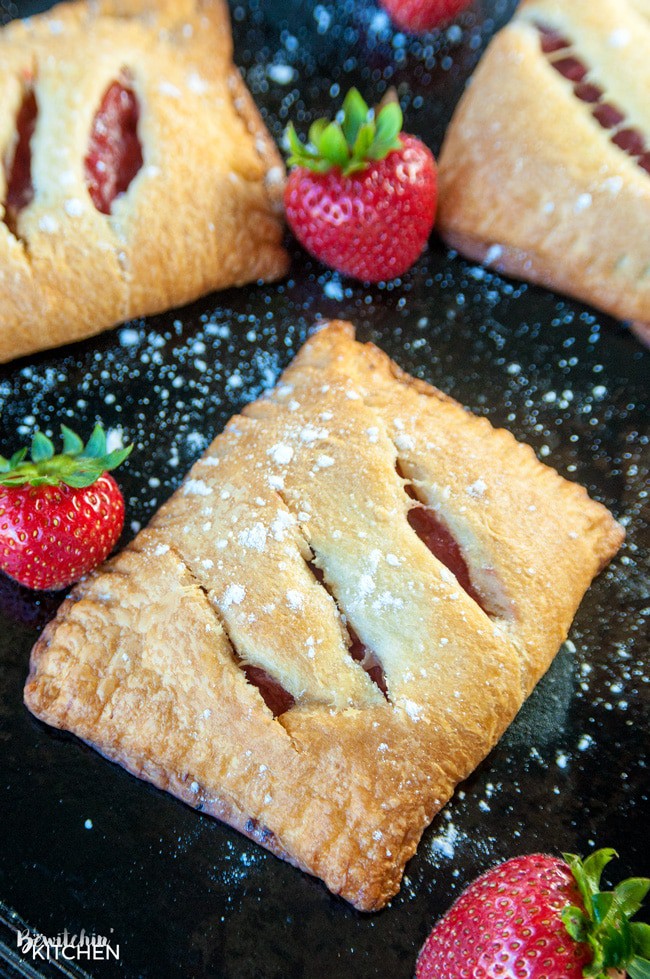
[417,16]
[60,515]
[362,196]
[539,917]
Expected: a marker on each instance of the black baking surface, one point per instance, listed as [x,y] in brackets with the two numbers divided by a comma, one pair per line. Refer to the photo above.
[84,845]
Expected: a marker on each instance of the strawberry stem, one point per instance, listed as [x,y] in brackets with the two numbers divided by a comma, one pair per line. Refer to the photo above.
[616,942]
[76,466]
[361,136]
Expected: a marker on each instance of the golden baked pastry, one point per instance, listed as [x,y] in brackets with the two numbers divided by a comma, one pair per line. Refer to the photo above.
[334,618]
[545,169]
[135,171]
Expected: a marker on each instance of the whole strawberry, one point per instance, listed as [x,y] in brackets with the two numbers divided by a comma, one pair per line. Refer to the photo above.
[362,195]
[418,16]
[539,917]
[60,515]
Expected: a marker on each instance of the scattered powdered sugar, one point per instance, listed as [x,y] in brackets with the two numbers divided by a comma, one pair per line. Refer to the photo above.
[583,202]
[161,549]
[170,90]
[444,842]
[281,74]
[366,585]
[613,184]
[233,595]
[404,443]
[48,224]
[281,454]
[619,38]
[477,489]
[311,434]
[386,600]
[73,207]
[281,524]
[413,710]
[295,599]
[493,254]
[196,83]
[254,538]
[196,487]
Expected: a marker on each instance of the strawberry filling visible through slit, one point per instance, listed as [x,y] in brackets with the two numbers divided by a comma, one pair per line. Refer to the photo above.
[442,545]
[277,699]
[552,40]
[570,66]
[20,190]
[357,649]
[114,150]
[359,652]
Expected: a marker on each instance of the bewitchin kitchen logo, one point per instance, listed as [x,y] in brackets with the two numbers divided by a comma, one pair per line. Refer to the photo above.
[64,946]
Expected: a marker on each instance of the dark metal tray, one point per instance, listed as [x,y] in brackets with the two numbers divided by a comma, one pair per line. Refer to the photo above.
[181,894]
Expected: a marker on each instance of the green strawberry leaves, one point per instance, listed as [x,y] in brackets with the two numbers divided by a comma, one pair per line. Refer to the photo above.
[616,941]
[72,444]
[361,136]
[78,465]
[638,968]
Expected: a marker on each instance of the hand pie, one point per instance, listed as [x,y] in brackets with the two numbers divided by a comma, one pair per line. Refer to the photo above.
[135,171]
[545,169]
[334,618]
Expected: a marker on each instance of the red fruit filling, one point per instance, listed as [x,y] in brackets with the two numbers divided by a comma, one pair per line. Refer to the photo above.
[114,150]
[571,68]
[276,698]
[587,92]
[360,652]
[357,649]
[20,190]
[631,141]
[443,545]
[440,542]
[608,115]
[552,40]
[626,138]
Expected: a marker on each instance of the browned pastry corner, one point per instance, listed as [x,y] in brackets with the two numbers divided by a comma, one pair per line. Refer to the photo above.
[201,213]
[545,169]
[281,646]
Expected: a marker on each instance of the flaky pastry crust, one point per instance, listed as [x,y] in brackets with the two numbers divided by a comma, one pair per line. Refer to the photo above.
[531,183]
[203,211]
[289,532]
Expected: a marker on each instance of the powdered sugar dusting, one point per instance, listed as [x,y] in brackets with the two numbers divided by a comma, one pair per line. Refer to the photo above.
[281,454]
[253,538]
[233,595]
[196,487]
